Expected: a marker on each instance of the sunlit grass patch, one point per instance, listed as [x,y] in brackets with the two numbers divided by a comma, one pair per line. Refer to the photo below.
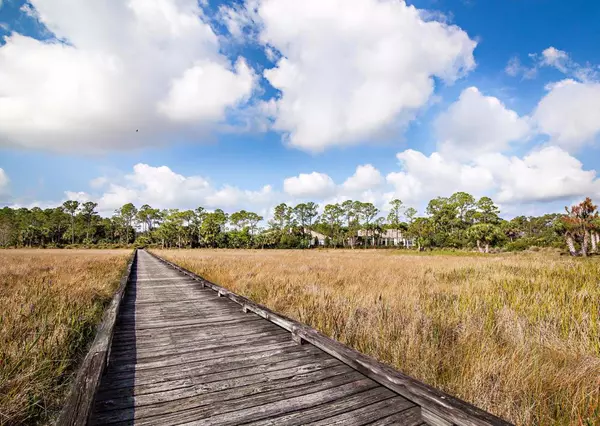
[50,303]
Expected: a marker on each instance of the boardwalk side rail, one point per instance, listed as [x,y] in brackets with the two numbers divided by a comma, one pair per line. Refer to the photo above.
[438,408]
[80,401]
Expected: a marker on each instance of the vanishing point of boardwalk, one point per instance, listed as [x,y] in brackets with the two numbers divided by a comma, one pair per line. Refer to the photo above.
[181,354]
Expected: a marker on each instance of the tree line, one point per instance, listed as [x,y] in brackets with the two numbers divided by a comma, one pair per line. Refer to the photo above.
[459,222]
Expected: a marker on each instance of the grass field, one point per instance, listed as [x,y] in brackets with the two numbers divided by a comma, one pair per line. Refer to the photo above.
[517,335]
[50,302]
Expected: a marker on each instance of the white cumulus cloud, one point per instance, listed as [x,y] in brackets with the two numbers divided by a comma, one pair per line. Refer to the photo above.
[163,188]
[570,114]
[205,90]
[124,66]
[365,178]
[542,175]
[307,185]
[352,71]
[423,177]
[477,124]
[4,181]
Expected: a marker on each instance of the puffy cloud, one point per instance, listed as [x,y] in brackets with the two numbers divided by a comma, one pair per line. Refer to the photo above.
[544,175]
[355,70]
[365,178]
[230,197]
[476,124]
[122,66]
[162,188]
[366,184]
[423,177]
[205,90]
[570,114]
[80,196]
[309,185]
[4,181]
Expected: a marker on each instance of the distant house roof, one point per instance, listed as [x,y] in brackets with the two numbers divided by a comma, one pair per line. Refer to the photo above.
[314,234]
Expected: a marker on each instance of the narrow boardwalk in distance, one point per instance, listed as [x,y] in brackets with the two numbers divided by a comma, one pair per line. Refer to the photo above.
[181,354]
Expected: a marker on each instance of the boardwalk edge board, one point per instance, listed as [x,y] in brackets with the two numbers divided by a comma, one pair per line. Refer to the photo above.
[438,408]
[80,400]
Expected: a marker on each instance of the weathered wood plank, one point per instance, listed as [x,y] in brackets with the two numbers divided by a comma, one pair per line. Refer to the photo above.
[140,326]
[146,312]
[288,403]
[223,329]
[297,369]
[170,360]
[208,328]
[215,380]
[142,347]
[329,409]
[255,341]
[372,412]
[410,417]
[242,361]
[193,344]
[165,302]
[234,399]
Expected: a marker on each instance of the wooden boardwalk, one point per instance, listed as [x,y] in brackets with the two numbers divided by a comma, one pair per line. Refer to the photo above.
[181,354]
[173,348]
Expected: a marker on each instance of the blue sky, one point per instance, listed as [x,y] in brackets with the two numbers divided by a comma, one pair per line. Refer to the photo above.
[78,79]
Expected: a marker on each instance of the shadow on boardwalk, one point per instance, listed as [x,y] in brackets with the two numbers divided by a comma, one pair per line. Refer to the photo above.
[123,353]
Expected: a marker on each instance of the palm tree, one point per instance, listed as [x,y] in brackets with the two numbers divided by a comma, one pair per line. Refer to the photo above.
[394,216]
[88,210]
[579,222]
[128,213]
[484,235]
[595,238]
[368,212]
[71,207]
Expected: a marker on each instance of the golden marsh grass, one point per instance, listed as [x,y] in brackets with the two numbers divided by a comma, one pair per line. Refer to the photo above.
[517,335]
[50,303]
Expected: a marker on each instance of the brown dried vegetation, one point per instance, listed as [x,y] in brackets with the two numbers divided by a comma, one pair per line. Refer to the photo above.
[517,335]
[50,302]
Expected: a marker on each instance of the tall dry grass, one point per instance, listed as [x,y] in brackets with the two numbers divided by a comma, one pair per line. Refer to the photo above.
[517,335]
[50,302]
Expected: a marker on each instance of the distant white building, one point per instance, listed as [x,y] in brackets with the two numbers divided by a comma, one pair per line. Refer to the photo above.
[389,237]
[316,236]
